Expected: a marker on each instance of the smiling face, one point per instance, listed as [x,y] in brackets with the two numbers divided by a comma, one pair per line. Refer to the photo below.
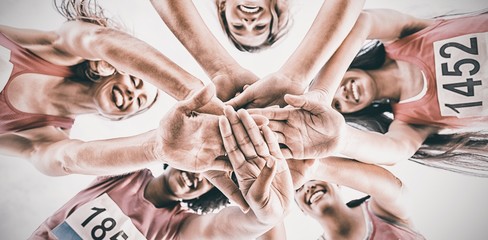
[186,185]
[120,96]
[316,197]
[357,91]
[249,21]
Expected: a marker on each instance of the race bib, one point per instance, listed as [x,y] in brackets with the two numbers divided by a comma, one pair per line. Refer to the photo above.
[98,219]
[462,76]
[6,67]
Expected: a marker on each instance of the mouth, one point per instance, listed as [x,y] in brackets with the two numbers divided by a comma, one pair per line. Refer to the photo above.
[316,196]
[354,89]
[250,9]
[117,97]
[189,180]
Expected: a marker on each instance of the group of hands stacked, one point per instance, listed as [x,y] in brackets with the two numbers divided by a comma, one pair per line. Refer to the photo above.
[270,150]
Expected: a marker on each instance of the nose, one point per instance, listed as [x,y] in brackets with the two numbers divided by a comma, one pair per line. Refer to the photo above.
[249,22]
[310,188]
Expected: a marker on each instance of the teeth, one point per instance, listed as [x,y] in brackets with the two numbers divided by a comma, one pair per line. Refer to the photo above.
[118,98]
[186,179]
[316,196]
[355,91]
[249,9]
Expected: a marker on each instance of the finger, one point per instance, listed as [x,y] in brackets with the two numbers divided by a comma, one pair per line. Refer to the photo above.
[215,106]
[261,188]
[224,183]
[241,100]
[304,103]
[272,142]
[272,113]
[260,120]
[198,100]
[287,154]
[233,152]
[254,133]
[240,135]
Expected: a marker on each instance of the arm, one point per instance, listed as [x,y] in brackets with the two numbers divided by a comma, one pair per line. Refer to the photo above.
[185,140]
[400,142]
[384,24]
[185,22]
[387,191]
[76,41]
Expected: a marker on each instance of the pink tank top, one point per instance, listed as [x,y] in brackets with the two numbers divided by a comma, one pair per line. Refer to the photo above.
[15,61]
[114,207]
[453,56]
[387,230]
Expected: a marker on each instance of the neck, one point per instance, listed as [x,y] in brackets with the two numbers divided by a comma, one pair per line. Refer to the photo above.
[71,98]
[157,192]
[397,80]
[343,223]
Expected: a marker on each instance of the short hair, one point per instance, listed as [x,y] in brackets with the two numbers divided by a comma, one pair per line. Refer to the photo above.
[280,24]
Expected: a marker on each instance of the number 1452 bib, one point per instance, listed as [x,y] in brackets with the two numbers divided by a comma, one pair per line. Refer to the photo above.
[461,65]
[98,219]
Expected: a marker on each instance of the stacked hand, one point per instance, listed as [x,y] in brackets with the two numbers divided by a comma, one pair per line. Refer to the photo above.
[309,128]
[261,171]
[267,92]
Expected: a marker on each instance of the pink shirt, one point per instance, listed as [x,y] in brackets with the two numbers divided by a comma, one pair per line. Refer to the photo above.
[114,206]
[453,56]
[17,61]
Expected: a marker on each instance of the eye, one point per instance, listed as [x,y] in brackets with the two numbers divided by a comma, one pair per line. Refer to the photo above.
[337,106]
[238,27]
[139,102]
[260,27]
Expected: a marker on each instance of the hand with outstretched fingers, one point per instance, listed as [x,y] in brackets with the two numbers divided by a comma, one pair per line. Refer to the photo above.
[264,178]
[266,92]
[189,140]
[309,128]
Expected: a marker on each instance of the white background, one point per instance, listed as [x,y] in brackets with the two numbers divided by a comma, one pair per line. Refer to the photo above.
[444,205]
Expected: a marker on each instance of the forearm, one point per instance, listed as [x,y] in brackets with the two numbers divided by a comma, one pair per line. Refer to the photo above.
[100,157]
[373,147]
[333,23]
[137,58]
[183,19]
[218,226]
[278,232]
[330,76]
[367,178]
[127,54]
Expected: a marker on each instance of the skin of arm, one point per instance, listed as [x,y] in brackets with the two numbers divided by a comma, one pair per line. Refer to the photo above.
[76,41]
[185,22]
[388,194]
[196,136]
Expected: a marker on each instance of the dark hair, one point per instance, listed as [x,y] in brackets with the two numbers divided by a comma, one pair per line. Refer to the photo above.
[279,26]
[465,153]
[356,202]
[210,201]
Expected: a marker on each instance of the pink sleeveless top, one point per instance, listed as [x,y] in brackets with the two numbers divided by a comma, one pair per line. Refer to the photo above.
[116,208]
[453,56]
[17,60]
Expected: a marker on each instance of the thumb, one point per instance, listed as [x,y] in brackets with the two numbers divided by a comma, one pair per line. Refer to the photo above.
[305,103]
[240,100]
[198,100]
[261,188]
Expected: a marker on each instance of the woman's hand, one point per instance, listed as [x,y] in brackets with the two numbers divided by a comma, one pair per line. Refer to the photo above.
[309,127]
[263,174]
[267,92]
[231,82]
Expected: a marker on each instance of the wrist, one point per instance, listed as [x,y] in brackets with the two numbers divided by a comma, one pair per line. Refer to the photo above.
[153,149]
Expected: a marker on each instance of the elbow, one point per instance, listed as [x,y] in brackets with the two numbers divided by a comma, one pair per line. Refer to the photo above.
[58,159]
